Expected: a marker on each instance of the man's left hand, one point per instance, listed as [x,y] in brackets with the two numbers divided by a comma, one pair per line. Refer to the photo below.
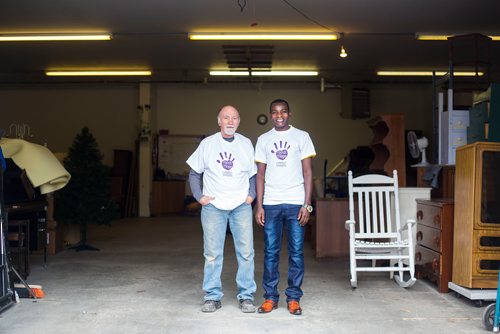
[303,216]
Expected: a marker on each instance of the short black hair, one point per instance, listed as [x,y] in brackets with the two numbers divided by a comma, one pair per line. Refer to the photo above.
[279,101]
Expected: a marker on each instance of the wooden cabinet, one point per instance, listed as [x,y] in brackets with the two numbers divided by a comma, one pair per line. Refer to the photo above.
[476,253]
[434,251]
[388,145]
[168,197]
[329,234]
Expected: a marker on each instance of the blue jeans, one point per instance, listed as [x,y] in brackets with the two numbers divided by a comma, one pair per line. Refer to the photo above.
[277,218]
[214,223]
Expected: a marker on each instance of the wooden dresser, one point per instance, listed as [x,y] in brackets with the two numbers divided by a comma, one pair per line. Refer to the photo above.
[434,250]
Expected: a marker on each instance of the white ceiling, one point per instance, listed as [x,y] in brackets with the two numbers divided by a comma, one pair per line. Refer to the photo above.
[379,34]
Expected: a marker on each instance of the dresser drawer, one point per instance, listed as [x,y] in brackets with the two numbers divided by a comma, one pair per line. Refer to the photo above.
[429,215]
[429,237]
[428,260]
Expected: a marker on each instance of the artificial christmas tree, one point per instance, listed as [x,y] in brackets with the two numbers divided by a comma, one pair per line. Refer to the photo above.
[86,199]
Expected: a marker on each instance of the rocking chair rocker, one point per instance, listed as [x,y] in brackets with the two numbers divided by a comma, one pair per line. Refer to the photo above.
[375,232]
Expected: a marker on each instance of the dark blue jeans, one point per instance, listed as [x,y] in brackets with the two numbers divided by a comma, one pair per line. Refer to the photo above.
[278,218]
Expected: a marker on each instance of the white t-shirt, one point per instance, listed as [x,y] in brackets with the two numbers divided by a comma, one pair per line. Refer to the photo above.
[226,167]
[283,152]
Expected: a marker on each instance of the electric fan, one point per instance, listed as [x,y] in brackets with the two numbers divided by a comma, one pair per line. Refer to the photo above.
[417,148]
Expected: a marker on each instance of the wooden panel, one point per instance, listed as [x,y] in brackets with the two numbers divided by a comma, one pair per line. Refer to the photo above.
[331,237]
[464,199]
[493,235]
[429,265]
[167,197]
[388,145]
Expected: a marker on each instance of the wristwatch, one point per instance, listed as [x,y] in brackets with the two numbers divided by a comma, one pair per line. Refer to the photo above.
[308,207]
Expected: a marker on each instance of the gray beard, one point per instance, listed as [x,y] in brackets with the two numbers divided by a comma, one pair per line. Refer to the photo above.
[230,131]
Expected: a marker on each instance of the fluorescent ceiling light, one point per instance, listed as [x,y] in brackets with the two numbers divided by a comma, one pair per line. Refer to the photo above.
[444,37]
[284,73]
[426,73]
[264,73]
[231,73]
[97,73]
[53,37]
[263,36]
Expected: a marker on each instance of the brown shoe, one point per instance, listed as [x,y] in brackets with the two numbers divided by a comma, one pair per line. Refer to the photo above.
[294,307]
[267,306]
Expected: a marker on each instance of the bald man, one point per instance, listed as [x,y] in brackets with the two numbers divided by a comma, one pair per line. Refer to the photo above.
[224,163]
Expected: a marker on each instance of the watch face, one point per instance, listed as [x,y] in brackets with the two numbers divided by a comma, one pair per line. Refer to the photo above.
[309,208]
[262,119]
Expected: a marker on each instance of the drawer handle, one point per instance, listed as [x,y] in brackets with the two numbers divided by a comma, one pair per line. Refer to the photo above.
[437,219]
[436,241]
[435,264]
[420,235]
[418,256]
[420,215]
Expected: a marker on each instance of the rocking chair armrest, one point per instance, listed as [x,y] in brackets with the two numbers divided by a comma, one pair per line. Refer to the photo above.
[349,223]
[409,223]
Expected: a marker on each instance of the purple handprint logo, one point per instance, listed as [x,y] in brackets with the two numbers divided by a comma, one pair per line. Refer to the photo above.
[282,151]
[226,160]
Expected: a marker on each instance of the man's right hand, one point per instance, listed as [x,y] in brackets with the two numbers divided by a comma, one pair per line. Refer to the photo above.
[204,200]
[259,215]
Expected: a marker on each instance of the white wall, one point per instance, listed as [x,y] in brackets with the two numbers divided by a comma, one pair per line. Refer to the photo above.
[56,113]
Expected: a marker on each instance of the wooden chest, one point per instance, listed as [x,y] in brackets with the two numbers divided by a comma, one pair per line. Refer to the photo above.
[434,250]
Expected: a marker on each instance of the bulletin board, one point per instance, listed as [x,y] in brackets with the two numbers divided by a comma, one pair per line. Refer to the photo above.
[174,150]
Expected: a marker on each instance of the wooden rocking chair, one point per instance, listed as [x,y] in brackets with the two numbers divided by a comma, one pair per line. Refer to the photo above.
[375,232]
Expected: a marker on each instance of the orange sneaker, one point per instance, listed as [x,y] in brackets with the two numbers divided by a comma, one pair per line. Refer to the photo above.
[267,306]
[294,307]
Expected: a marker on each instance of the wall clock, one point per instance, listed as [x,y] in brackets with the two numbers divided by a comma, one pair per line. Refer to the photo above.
[262,119]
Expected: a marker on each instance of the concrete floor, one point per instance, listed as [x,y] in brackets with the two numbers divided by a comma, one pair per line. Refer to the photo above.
[147,279]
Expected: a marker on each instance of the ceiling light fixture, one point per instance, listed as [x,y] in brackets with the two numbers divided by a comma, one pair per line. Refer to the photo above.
[444,37]
[264,73]
[230,73]
[263,36]
[285,73]
[99,73]
[428,73]
[343,52]
[53,37]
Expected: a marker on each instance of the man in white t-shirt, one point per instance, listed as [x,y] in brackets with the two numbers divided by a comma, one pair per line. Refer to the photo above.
[225,163]
[284,189]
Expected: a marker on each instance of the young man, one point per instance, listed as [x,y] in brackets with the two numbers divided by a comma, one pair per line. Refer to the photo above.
[225,161]
[284,187]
